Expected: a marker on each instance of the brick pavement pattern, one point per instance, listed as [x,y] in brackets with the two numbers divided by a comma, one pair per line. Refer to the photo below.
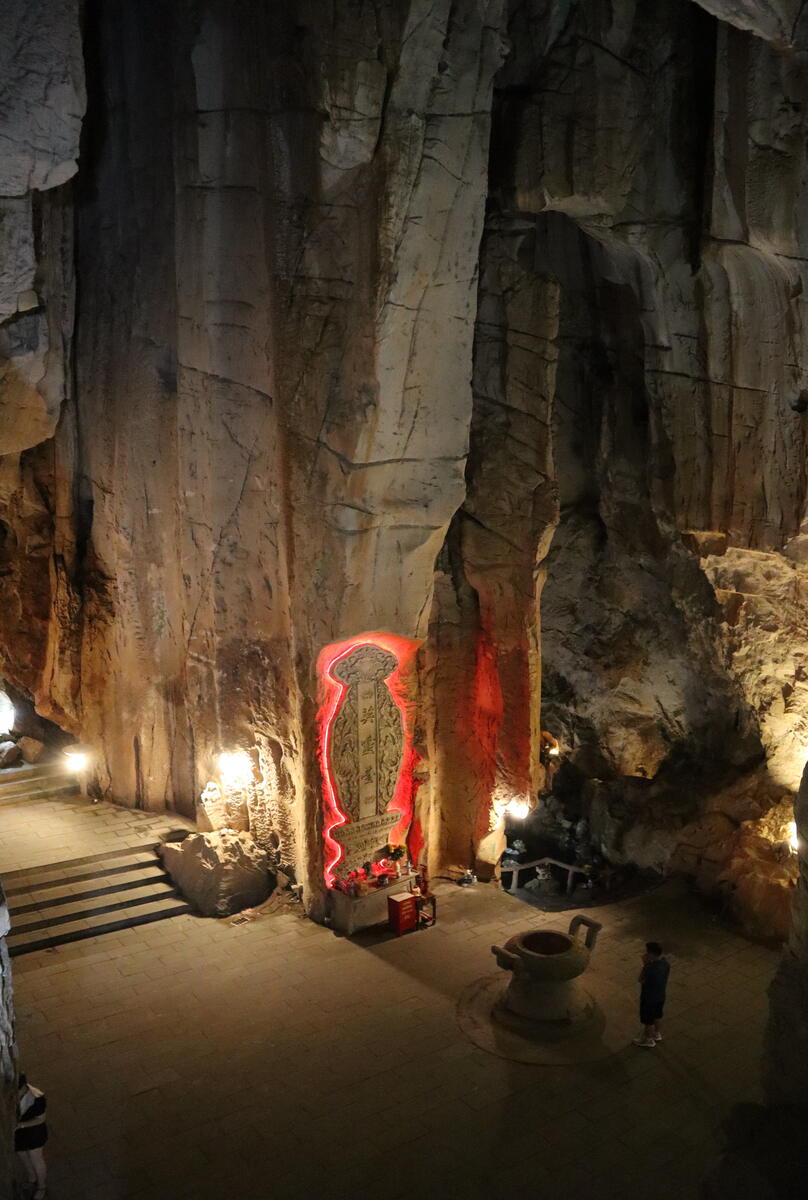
[204,1059]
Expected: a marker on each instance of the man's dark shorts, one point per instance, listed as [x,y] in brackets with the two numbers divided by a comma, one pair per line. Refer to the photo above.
[651,1011]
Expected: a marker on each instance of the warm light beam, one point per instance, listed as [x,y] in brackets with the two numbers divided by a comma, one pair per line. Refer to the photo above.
[77,760]
[235,768]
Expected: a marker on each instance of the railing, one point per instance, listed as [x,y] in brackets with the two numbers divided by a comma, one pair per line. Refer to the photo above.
[507,863]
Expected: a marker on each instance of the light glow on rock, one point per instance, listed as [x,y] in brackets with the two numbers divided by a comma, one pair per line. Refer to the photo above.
[6,714]
[793,839]
[77,760]
[235,769]
[518,809]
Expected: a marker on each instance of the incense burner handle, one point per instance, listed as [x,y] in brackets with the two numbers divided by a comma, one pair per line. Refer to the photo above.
[506,960]
[593,928]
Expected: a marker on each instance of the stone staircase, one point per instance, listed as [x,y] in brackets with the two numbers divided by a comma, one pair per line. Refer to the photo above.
[42,815]
[41,781]
[85,897]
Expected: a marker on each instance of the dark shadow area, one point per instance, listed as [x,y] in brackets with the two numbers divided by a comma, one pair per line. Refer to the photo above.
[634,883]
[766,1156]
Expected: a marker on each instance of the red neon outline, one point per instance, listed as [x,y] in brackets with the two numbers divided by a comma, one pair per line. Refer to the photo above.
[333,690]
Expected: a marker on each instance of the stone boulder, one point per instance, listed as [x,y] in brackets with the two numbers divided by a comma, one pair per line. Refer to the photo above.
[31,749]
[218,813]
[219,873]
[10,754]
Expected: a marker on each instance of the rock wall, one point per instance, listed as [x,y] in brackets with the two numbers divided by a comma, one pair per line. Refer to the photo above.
[42,100]
[644,199]
[41,108]
[278,218]
[669,185]
[483,662]
[376,317]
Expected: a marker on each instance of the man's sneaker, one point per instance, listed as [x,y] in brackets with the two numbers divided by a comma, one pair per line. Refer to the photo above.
[647,1042]
[657,1037]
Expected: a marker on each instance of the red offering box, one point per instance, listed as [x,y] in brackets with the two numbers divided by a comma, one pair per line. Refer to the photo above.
[402,912]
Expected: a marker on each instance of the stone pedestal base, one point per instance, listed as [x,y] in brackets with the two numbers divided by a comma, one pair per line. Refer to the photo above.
[559,1009]
[348,914]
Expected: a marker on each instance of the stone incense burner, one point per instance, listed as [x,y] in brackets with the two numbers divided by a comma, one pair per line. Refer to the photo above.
[544,989]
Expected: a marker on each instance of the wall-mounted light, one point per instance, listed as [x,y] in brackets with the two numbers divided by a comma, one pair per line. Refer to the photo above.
[518,809]
[793,839]
[77,759]
[235,769]
[6,714]
[554,751]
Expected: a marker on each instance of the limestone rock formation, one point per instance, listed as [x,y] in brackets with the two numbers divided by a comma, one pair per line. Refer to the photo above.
[278,376]
[759,875]
[780,21]
[476,324]
[41,108]
[653,668]
[216,813]
[219,873]
[481,325]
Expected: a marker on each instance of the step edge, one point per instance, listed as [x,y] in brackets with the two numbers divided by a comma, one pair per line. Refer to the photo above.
[119,888]
[66,863]
[83,934]
[87,914]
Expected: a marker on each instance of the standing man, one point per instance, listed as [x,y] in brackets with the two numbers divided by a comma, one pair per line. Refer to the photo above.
[653,984]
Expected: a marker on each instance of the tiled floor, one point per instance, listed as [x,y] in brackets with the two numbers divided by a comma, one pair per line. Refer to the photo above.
[87,866]
[58,829]
[274,1059]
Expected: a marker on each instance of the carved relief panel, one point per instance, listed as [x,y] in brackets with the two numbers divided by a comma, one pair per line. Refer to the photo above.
[365,750]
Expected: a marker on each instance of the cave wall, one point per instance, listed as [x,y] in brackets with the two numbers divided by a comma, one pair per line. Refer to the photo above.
[662,154]
[277,224]
[41,107]
[42,103]
[376,318]
[482,684]
[482,324]
[641,417]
